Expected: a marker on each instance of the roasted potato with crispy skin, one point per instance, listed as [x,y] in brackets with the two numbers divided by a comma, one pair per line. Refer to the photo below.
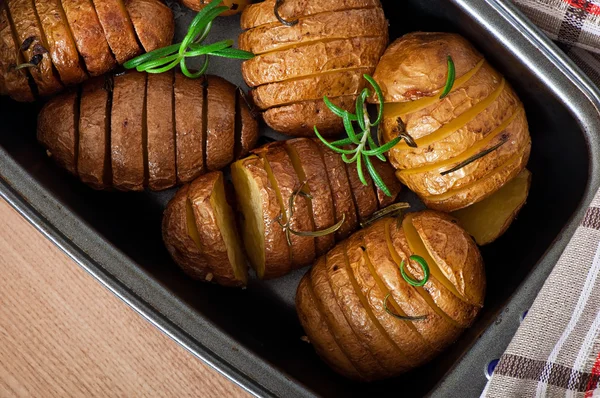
[288,188]
[141,130]
[341,301]
[488,219]
[235,6]
[325,53]
[62,41]
[200,233]
[469,143]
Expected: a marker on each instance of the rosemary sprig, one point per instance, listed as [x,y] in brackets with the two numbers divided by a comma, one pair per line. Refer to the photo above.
[166,58]
[450,78]
[364,146]
[287,226]
[421,261]
[403,318]
[475,157]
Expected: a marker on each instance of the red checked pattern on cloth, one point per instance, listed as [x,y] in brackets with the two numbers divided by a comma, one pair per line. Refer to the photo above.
[556,351]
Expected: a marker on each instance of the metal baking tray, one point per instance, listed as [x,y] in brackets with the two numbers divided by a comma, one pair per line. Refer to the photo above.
[253,336]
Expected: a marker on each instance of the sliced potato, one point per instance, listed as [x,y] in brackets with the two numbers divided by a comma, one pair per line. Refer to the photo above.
[300,118]
[263,13]
[32,43]
[153,22]
[220,122]
[345,24]
[17,85]
[60,41]
[487,220]
[246,126]
[89,36]
[127,141]
[364,196]
[264,239]
[93,163]
[314,58]
[310,88]
[235,6]
[118,29]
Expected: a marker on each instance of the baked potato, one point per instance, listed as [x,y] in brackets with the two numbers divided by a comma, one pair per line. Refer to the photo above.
[300,185]
[235,6]
[200,234]
[141,130]
[468,143]
[351,303]
[324,53]
[61,42]
[488,219]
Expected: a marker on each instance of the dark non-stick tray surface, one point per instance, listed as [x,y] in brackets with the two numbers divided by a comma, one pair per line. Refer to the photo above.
[253,335]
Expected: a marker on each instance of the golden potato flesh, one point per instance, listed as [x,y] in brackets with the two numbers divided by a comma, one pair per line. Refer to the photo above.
[487,220]
[462,139]
[352,301]
[325,52]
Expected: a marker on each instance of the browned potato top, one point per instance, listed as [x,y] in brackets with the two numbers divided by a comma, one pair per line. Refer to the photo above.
[350,301]
[159,134]
[66,40]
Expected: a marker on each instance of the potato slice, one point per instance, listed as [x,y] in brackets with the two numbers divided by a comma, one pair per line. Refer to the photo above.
[356,349]
[118,29]
[31,40]
[57,130]
[300,118]
[60,41]
[190,123]
[218,239]
[488,219]
[89,36]
[364,195]
[343,203]
[263,13]
[162,172]
[309,166]
[235,6]
[314,58]
[16,81]
[153,22]
[180,236]
[220,122]
[310,88]
[284,178]
[263,237]
[127,132]
[319,334]
[331,25]
[246,126]
[93,164]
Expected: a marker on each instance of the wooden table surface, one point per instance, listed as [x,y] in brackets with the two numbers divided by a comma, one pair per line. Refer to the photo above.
[63,334]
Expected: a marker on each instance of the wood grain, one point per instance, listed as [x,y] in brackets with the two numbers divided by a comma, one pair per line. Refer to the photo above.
[63,334]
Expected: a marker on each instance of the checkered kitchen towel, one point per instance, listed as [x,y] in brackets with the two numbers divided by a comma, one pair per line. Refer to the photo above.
[556,351]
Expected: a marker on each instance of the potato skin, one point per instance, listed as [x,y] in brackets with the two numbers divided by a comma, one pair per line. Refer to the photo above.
[418,341]
[263,13]
[158,133]
[153,22]
[300,118]
[235,6]
[470,119]
[15,81]
[60,42]
[28,31]
[56,130]
[220,129]
[118,29]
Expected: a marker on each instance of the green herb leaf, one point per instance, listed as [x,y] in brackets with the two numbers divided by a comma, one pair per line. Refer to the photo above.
[421,261]
[328,145]
[336,109]
[384,148]
[360,108]
[376,177]
[450,78]
[379,94]
[233,53]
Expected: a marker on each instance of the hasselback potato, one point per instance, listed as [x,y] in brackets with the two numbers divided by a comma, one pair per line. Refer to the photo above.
[326,52]
[137,129]
[61,42]
[341,301]
[199,230]
[469,143]
[300,185]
